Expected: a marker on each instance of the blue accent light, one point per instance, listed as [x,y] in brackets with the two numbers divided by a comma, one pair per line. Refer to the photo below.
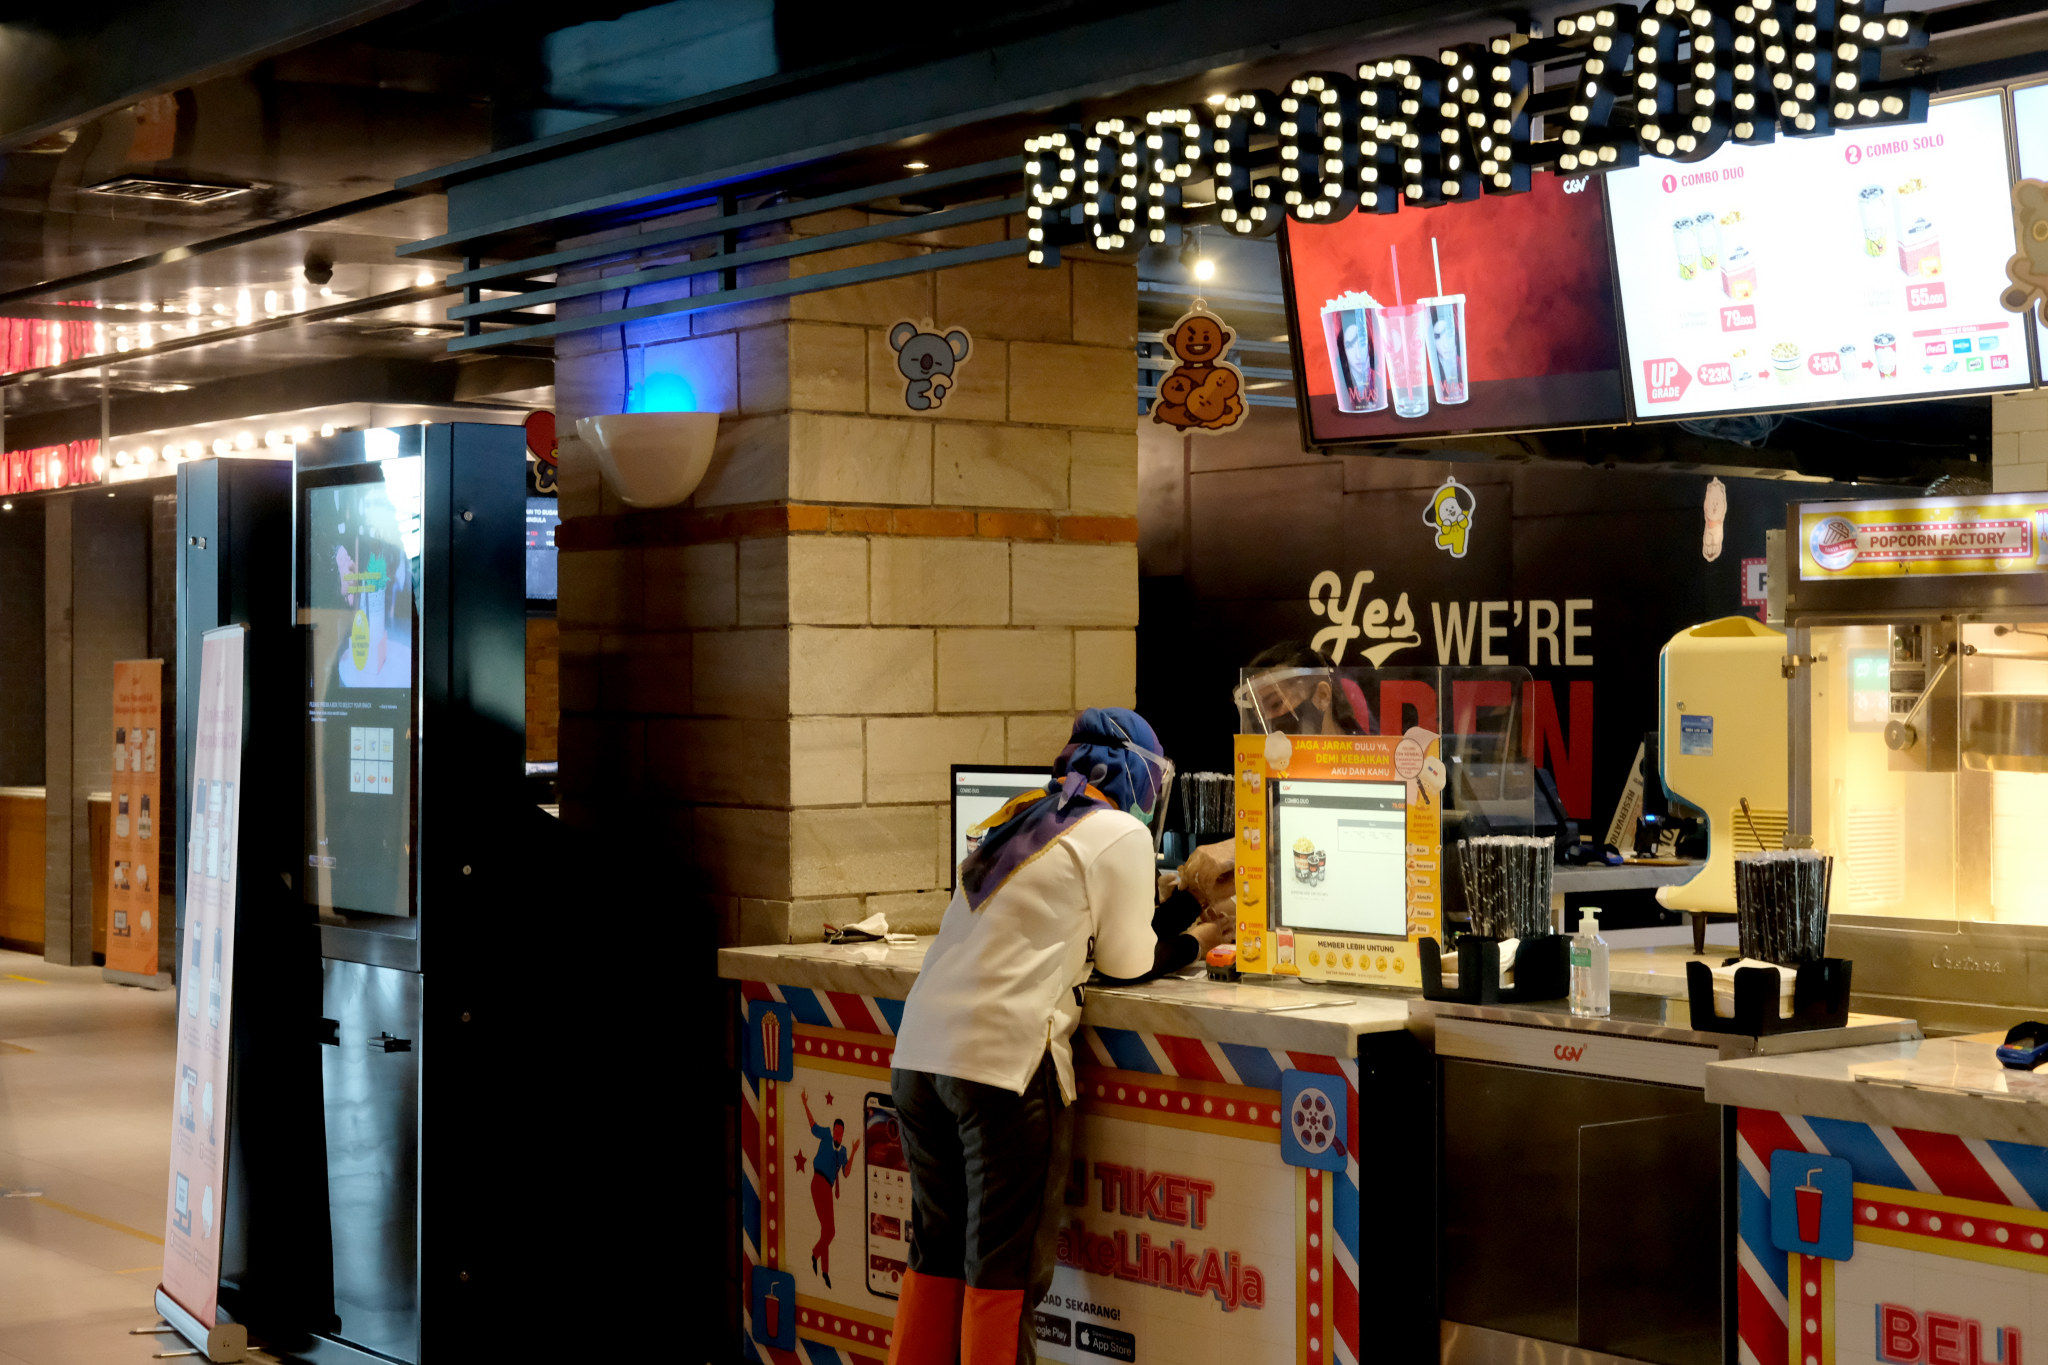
[662,393]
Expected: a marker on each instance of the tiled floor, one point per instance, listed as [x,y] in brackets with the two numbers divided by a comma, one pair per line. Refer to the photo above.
[85,1122]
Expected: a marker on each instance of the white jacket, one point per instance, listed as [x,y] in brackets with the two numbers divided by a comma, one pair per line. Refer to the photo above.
[999,987]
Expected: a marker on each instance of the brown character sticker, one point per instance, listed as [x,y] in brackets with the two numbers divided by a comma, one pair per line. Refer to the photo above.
[1203,392]
[2028,268]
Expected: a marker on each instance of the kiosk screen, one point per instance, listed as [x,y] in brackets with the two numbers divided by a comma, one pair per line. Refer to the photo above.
[359,580]
[1339,857]
[980,792]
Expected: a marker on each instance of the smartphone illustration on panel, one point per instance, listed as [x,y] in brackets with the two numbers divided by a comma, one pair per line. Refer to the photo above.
[888,1196]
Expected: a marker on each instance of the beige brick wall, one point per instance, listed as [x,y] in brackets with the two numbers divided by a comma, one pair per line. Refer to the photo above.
[772,682]
[2019,442]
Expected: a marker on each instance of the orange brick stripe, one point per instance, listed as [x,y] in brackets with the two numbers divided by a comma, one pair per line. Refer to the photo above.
[685,526]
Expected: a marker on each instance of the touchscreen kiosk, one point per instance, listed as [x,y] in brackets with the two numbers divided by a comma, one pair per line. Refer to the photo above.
[1339,846]
[361,532]
[981,791]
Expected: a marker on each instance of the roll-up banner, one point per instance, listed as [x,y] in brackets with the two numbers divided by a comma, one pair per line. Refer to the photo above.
[189,1296]
[134,882]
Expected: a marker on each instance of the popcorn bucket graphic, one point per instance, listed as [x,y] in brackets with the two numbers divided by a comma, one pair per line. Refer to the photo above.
[771,1047]
[1807,1198]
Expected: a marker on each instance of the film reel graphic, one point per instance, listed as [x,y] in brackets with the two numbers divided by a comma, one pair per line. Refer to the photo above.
[1313,1122]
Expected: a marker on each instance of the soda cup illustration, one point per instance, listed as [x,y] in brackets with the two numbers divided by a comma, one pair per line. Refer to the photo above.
[771,1302]
[1807,1199]
[771,1045]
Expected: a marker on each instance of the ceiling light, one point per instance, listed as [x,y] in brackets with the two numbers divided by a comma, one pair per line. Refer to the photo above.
[423,280]
[327,428]
[299,434]
[916,166]
[6,507]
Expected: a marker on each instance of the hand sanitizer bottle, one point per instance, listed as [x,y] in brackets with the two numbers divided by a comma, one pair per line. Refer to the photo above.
[1589,967]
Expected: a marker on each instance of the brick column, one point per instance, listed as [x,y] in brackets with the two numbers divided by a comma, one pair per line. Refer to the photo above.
[766,687]
[2019,442]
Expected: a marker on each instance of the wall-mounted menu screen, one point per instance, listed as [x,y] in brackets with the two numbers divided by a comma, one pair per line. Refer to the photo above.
[1858,268]
[1493,315]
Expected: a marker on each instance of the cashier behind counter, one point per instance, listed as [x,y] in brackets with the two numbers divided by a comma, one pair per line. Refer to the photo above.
[1291,688]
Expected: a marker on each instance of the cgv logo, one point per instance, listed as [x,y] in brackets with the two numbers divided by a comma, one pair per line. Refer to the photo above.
[1908,1337]
[1565,1052]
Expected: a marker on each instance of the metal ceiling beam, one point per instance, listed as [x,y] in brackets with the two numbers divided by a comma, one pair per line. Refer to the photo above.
[776,289]
[331,313]
[327,383]
[708,265]
[208,247]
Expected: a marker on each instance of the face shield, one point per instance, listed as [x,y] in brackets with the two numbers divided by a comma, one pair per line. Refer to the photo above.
[1152,812]
[1272,700]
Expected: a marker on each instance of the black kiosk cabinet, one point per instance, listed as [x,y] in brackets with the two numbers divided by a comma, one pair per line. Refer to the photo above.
[418,857]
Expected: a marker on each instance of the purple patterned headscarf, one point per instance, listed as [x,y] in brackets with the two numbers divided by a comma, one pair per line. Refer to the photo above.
[1096,771]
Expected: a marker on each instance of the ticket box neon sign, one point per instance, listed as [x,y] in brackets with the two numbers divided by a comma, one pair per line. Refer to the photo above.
[1906,1336]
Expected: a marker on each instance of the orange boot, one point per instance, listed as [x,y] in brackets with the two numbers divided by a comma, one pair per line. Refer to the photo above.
[990,1323]
[927,1330]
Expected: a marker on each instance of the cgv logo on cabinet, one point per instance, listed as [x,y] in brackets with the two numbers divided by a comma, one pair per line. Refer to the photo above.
[1567,1052]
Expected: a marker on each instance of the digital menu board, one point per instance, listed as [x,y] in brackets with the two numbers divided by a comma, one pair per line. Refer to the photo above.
[1857,268]
[2030,121]
[1493,315]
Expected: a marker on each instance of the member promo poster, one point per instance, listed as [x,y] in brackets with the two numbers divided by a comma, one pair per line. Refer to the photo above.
[134,894]
[1851,269]
[192,1231]
[1493,315]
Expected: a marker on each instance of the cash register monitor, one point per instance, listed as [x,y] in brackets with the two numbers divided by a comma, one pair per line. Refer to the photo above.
[1339,856]
[980,791]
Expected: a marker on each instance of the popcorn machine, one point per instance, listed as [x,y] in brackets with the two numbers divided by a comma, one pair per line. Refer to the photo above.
[1917,654]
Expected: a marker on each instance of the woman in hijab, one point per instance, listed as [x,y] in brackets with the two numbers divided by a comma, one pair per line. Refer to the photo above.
[1061,882]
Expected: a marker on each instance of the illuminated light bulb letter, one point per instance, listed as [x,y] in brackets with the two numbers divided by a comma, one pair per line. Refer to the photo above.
[1599,129]
[1318,117]
[1052,207]
[1247,132]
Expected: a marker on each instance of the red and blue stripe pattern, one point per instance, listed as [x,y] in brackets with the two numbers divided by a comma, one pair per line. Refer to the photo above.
[2006,1174]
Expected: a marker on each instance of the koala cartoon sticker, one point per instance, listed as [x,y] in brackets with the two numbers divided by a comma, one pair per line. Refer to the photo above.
[1203,392]
[927,361]
[1450,514]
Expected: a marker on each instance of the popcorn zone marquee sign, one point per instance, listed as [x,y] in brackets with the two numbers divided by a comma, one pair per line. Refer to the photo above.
[1672,79]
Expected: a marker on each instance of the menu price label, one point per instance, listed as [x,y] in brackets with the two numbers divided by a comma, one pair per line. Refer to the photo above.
[1856,269]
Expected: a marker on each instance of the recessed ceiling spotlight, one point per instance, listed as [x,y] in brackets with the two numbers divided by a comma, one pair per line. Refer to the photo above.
[917,166]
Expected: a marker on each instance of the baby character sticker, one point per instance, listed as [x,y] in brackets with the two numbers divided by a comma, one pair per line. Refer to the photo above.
[1450,515]
[1203,392]
[928,362]
[2028,268]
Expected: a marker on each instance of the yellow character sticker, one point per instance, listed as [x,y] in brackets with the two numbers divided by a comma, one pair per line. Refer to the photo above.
[1450,513]
[359,639]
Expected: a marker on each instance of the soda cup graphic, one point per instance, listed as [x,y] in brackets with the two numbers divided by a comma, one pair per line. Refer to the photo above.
[1447,362]
[771,1305]
[1807,1198]
[771,1043]
[1355,331]
[1408,358]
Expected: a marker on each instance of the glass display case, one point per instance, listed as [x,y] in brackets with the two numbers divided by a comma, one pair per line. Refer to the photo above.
[1919,745]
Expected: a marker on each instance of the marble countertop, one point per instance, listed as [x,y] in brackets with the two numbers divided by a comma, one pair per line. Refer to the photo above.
[1938,1085]
[1299,1018]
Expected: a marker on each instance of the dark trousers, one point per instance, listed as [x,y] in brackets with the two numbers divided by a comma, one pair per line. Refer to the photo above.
[988,1178]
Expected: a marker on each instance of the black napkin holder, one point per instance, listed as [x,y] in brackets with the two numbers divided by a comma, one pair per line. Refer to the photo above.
[1542,970]
[1820,999]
